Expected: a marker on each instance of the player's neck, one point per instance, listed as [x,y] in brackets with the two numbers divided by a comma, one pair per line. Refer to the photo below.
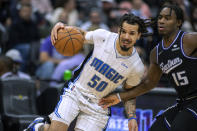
[168,39]
[121,52]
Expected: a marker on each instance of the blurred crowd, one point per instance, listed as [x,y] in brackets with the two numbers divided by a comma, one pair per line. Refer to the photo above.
[25,25]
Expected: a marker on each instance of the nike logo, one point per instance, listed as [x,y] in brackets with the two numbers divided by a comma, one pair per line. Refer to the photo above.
[175,49]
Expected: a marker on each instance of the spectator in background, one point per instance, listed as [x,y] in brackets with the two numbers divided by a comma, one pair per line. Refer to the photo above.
[37,15]
[15,6]
[49,58]
[114,25]
[191,24]
[68,6]
[8,69]
[3,37]
[107,7]
[42,6]
[5,22]
[140,8]
[125,6]
[17,61]
[6,66]
[23,32]
[68,64]
[54,64]
[194,18]
[94,22]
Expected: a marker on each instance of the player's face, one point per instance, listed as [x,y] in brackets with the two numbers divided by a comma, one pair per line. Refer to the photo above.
[167,21]
[128,36]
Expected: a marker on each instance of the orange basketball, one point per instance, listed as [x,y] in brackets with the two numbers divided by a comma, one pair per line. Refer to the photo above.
[69,41]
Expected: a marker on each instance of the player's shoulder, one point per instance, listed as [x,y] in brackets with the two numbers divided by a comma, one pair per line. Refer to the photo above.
[102,32]
[136,60]
[135,55]
[189,39]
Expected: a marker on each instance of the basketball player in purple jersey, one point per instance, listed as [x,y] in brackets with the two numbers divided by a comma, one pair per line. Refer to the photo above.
[176,56]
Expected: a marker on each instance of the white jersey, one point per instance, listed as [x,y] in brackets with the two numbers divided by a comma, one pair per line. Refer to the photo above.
[106,69]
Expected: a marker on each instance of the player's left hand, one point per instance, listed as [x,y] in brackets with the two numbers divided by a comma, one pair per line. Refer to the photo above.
[132,124]
[54,31]
[109,101]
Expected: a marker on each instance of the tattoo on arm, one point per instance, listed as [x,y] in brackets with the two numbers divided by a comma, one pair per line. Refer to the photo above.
[41,128]
[130,107]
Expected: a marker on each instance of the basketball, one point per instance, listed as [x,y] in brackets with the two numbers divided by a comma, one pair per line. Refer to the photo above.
[69,41]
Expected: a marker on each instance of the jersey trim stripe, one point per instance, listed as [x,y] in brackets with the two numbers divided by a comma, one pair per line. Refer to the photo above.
[56,109]
[167,123]
[193,112]
[81,70]
[171,43]
[78,70]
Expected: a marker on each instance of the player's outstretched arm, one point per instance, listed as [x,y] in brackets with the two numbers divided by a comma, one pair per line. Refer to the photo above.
[190,43]
[130,108]
[110,100]
[113,98]
[149,82]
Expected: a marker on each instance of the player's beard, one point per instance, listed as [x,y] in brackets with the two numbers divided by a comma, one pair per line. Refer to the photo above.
[124,48]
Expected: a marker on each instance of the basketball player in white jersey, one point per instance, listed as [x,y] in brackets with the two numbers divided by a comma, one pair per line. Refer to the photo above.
[113,62]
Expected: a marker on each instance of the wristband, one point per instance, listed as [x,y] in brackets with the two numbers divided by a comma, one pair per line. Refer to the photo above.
[132,118]
[131,114]
[118,95]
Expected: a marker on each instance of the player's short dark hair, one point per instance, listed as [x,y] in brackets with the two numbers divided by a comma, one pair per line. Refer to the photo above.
[133,19]
[178,11]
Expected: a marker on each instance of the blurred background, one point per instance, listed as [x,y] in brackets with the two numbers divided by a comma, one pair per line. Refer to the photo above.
[32,72]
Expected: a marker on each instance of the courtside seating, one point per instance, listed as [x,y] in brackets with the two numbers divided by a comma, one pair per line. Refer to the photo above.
[18,106]
[48,98]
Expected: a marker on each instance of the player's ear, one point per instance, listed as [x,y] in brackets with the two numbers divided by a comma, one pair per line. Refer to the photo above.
[179,22]
[119,30]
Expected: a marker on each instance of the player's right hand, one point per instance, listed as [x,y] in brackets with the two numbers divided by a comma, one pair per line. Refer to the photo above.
[109,101]
[132,125]
[54,31]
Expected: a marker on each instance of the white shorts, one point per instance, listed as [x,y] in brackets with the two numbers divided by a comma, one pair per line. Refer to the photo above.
[90,115]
